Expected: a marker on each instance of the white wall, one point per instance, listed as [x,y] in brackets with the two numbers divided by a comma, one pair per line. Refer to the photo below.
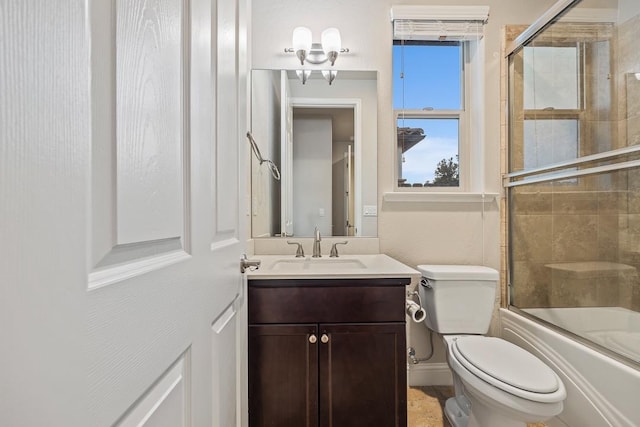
[265,217]
[416,233]
[628,9]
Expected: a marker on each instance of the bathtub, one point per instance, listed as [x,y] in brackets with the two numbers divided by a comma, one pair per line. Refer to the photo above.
[601,390]
[614,328]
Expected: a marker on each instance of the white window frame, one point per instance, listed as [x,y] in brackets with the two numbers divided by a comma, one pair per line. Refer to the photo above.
[464,24]
[463,131]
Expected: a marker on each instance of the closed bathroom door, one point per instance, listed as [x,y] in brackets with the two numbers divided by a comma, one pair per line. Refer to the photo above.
[121,157]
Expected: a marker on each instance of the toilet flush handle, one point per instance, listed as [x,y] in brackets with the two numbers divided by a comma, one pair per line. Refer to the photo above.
[425,282]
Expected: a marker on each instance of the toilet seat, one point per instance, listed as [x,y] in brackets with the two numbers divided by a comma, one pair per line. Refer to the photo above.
[508,367]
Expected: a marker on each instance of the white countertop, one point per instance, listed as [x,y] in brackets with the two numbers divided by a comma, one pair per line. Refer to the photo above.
[345,266]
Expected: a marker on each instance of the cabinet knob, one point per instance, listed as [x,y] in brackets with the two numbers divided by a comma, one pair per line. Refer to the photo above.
[313,339]
[324,338]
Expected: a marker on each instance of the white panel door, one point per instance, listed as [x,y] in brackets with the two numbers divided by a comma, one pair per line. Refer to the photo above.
[120,234]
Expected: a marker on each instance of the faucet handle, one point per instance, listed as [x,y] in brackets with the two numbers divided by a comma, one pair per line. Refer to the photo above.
[334,249]
[299,250]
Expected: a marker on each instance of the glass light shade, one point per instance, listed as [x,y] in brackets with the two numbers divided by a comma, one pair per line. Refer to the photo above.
[329,75]
[303,75]
[331,40]
[301,39]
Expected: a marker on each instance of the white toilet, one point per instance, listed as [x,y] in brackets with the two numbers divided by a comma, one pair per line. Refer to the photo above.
[497,384]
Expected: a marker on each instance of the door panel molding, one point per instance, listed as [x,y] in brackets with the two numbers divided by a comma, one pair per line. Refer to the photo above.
[141,162]
[221,244]
[151,85]
[166,402]
[224,318]
[224,368]
[109,276]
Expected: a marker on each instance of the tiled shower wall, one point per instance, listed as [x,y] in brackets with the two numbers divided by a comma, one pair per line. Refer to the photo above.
[629,129]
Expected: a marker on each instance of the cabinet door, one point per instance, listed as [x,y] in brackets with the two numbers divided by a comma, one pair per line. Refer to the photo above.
[283,375]
[363,375]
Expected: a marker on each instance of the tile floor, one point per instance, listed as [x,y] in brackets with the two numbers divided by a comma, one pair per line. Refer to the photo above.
[425,406]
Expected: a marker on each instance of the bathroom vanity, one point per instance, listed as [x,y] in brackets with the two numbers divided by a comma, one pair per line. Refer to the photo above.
[327,348]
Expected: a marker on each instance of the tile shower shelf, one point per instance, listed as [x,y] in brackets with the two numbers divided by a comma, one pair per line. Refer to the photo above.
[591,269]
[439,197]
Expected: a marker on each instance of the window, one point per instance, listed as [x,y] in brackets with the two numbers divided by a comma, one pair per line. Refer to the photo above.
[553,105]
[437,78]
[429,107]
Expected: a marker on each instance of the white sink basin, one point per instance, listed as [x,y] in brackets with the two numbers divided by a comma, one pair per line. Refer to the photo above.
[317,264]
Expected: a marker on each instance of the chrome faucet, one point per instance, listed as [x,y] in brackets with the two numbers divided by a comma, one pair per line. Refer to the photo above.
[317,252]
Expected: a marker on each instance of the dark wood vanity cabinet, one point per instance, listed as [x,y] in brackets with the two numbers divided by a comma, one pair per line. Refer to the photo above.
[327,353]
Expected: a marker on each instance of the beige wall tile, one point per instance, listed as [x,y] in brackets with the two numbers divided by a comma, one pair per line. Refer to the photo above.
[575,203]
[574,238]
[523,247]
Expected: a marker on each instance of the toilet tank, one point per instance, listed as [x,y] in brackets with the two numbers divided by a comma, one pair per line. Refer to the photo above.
[458,299]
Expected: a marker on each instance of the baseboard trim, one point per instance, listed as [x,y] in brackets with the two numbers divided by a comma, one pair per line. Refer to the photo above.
[425,374]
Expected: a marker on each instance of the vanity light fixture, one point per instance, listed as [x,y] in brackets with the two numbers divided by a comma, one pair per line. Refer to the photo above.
[316,53]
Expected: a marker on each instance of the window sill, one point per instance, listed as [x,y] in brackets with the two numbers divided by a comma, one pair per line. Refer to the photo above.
[440,197]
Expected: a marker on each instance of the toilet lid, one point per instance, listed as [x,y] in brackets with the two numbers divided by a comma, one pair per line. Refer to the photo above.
[500,362]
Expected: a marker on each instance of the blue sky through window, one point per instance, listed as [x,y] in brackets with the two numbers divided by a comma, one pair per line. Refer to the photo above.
[432,80]
[431,77]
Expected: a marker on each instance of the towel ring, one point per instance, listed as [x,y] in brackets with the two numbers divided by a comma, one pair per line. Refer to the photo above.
[256,151]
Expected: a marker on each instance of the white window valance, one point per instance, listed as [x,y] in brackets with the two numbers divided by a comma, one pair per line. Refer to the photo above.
[431,23]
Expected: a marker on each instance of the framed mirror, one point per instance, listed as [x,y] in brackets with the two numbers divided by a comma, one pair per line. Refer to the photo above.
[323,139]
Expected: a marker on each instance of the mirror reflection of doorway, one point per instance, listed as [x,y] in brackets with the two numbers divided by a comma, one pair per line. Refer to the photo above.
[323,171]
